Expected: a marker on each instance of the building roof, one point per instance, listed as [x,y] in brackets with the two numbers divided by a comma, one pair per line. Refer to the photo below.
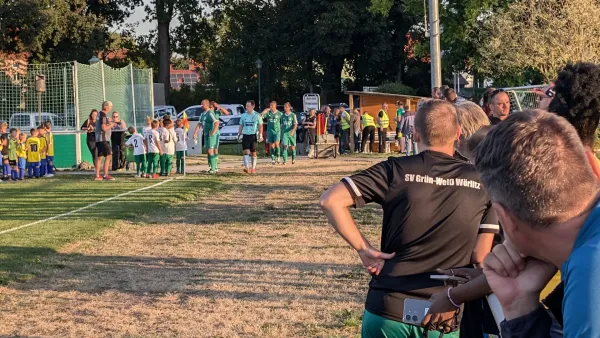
[362,93]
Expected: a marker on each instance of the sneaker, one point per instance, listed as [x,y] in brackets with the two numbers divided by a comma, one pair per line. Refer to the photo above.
[109,178]
[293,161]
[246,170]
[284,163]
[212,172]
[155,176]
[49,175]
[254,171]
[98,178]
[272,162]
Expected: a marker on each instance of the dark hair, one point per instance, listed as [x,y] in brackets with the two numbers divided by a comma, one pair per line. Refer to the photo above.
[92,113]
[167,122]
[32,130]
[154,124]
[41,127]
[577,99]
[486,96]
[47,124]
[251,102]
[12,129]
[131,130]
[495,93]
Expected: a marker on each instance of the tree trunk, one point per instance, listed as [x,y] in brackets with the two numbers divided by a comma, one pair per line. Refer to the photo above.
[164,56]
[400,70]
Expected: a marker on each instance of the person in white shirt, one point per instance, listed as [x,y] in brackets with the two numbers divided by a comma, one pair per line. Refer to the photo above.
[155,150]
[180,147]
[168,139]
[138,143]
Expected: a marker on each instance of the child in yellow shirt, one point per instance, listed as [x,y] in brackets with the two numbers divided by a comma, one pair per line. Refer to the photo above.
[22,155]
[34,156]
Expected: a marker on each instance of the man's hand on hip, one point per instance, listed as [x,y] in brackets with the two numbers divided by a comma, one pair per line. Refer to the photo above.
[516,281]
[374,259]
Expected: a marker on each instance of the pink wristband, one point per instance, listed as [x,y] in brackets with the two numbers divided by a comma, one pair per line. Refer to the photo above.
[450,299]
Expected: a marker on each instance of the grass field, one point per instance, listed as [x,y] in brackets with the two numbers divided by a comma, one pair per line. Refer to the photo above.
[204,256]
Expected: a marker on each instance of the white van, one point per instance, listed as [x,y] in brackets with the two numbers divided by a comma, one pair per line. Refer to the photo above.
[161,111]
[234,109]
[26,121]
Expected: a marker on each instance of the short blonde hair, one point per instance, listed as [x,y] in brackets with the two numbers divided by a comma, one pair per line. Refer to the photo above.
[470,118]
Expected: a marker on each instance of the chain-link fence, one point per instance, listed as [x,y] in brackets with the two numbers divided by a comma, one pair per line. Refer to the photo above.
[522,98]
[69,92]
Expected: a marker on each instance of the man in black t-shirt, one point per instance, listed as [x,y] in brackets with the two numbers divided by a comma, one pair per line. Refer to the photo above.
[435,212]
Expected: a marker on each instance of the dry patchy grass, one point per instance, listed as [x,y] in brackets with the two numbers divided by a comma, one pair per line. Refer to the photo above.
[257,260]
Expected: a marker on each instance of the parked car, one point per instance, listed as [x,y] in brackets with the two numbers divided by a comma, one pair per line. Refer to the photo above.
[234,110]
[193,113]
[229,132]
[161,111]
[26,121]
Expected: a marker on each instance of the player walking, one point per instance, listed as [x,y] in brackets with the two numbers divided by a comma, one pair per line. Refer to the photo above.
[273,130]
[210,129]
[290,124]
[250,125]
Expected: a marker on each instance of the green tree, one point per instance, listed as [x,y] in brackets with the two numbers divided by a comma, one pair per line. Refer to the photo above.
[60,30]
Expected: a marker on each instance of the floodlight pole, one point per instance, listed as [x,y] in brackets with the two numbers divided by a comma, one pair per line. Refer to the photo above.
[434,44]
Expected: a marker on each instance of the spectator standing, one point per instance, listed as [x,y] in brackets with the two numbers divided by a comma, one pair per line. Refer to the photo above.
[485,101]
[471,118]
[407,128]
[89,126]
[310,124]
[345,121]
[556,224]
[117,139]
[414,241]
[357,126]
[103,136]
[499,105]
[368,123]
[451,96]
[383,124]
[400,111]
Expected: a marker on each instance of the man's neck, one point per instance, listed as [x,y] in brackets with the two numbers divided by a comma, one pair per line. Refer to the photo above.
[448,149]
[556,244]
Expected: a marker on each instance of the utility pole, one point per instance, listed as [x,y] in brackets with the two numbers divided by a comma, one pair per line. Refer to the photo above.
[434,43]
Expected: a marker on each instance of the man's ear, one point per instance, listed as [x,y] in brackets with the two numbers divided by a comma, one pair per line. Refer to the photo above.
[593,160]
[506,220]
[416,135]
[458,133]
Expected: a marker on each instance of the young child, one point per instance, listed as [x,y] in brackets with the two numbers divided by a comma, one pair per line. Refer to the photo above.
[22,155]
[4,129]
[180,147]
[50,149]
[4,157]
[137,142]
[155,150]
[34,156]
[43,151]
[12,154]
[162,132]
[169,139]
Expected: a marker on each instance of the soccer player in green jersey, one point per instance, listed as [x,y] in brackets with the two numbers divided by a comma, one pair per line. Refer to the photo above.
[210,127]
[250,126]
[218,110]
[290,124]
[273,130]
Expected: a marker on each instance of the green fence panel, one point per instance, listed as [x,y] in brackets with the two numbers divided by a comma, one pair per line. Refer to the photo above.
[65,156]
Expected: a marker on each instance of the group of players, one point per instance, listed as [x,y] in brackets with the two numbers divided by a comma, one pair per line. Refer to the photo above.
[281,131]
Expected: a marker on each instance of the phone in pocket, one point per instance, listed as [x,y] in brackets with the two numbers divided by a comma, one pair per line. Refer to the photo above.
[415,310]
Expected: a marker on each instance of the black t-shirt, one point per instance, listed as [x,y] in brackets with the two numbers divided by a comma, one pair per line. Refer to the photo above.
[312,120]
[433,209]
[494,121]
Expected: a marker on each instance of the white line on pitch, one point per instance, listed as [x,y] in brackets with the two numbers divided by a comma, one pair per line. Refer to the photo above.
[83,208]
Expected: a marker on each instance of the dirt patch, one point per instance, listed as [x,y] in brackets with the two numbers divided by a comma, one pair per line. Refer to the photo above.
[256,260]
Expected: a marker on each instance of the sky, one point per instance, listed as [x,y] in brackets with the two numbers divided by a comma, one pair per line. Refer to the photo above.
[144,27]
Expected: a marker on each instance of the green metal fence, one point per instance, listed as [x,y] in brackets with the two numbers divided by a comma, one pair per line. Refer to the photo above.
[72,90]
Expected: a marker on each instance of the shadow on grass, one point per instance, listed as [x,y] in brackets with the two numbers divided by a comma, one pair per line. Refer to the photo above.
[212,278]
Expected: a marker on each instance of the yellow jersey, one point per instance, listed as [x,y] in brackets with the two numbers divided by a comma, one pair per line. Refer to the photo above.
[21,150]
[50,143]
[33,149]
[43,147]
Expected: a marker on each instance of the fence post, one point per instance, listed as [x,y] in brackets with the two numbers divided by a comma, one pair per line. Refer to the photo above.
[103,83]
[65,94]
[133,95]
[152,92]
[78,158]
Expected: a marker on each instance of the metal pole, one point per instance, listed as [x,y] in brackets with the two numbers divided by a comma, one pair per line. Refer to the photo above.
[65,94]
[434,43]
[103,83]
[151,92]
[78,157]
[132,95]
[259,93]
[39,99]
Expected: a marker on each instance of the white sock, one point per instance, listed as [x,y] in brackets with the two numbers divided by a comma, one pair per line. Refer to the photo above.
[254,159]
[246,160]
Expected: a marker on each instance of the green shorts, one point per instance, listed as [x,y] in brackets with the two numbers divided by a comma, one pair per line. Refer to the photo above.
[211,142]
[273,137]
[374,326]
[289,140]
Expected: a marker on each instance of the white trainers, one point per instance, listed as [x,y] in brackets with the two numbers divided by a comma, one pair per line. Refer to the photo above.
[49,175]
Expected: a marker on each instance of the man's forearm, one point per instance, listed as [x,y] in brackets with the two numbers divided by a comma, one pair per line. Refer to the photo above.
[473,290]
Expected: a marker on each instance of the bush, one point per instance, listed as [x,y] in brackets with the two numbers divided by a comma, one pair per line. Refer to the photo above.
[396,88]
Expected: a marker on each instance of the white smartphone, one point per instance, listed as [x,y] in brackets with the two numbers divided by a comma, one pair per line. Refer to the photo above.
[415,310]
